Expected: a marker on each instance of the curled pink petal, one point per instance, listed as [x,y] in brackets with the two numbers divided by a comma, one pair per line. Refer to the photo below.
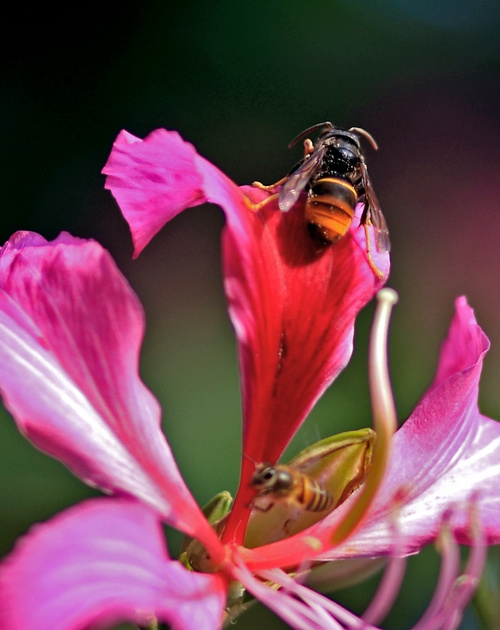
[446,454]
[153,182]
[465,345]
[70,334]
[102,562]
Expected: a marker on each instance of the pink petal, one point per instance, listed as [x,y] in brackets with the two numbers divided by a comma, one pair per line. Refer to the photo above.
[465,344]
[152,181]
[293,306]
[102,562]
[446,456]
[293,310]
[70,335]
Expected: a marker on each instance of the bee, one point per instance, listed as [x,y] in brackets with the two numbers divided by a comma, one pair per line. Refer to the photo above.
[333,172]
[287,485]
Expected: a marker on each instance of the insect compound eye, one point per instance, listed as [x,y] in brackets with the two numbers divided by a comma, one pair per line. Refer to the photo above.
[263,476]
[266,474]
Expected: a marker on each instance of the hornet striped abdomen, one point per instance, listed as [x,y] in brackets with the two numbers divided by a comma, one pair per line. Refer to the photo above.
[330,208]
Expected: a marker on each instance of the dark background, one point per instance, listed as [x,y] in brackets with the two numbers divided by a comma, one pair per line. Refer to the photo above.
[239,80]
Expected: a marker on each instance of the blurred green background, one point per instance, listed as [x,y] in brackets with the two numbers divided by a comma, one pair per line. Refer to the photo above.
[239,80]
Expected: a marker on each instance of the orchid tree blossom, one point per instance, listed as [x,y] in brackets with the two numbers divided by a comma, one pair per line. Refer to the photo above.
[69,376]
[292,304]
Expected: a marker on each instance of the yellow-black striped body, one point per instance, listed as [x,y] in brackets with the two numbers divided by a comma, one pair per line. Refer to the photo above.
[330,208]
[285,484]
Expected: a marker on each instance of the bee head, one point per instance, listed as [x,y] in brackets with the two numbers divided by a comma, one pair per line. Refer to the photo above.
[264,475]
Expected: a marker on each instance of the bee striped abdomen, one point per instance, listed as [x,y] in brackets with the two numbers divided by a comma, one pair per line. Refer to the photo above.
[286,485]
[313,497]
[330,208]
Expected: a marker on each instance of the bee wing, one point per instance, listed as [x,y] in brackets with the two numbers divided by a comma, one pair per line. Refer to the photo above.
[298,180]
[373,214]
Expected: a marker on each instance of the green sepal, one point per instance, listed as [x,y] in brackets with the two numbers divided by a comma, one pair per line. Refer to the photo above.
[340,463]
[192,553]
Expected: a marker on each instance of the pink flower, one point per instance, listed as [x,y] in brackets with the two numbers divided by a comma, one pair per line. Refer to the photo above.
[68,375]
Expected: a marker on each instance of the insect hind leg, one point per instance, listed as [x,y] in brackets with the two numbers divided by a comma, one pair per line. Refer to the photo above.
[373,266]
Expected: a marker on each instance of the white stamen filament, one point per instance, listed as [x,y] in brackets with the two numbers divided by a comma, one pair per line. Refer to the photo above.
[454,591]
[391,582]
[384,414]
[384,411]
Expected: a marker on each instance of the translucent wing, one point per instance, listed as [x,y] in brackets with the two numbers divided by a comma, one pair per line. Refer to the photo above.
[298,180]
[373,214]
